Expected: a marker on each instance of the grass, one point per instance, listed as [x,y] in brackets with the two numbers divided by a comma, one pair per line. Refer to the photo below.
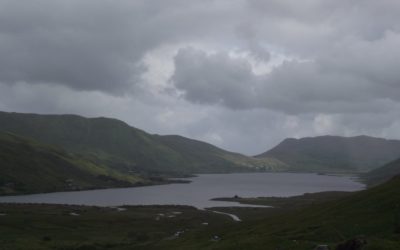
[301,222]
[277,205]
[116,144]
[374,214]
[139,227]
[28,166]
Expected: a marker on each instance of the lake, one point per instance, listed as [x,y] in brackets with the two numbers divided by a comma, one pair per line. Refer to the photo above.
[201,189]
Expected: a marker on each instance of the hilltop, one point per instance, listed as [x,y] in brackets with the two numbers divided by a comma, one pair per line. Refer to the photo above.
[334,153]
[116,144]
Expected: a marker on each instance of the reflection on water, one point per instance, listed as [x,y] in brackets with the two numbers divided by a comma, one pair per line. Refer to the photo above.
[199,192]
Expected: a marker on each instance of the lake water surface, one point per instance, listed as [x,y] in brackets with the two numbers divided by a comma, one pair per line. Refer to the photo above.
[199,192]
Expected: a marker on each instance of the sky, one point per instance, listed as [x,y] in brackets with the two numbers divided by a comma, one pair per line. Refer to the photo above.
[240,74]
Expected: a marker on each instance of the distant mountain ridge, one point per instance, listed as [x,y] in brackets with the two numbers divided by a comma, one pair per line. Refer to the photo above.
[116,144]
[335,153]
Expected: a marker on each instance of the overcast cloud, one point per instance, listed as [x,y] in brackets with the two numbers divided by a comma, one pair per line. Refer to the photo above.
[241,74]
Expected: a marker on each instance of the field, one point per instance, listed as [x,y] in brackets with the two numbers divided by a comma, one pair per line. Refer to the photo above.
[80,227]
[303,222]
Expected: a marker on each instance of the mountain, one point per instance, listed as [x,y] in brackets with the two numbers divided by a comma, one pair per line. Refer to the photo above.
[116,144]
[30,167]
[335,153]
[383,173]
[198,153]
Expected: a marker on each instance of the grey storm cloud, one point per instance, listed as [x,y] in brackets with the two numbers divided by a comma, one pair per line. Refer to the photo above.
[248,34]
[224,71]
[214,79]
[336,85]
[337,66]
[90,45]
[82,45]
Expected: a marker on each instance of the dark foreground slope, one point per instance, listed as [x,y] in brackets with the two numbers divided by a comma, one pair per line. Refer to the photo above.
[56,227]
[27,166]
[116,144]
[335,153]
[372,216]
[384,173]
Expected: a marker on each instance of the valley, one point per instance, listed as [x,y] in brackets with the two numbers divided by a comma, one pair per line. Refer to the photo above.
[199,125]
[302,222]
[53,153]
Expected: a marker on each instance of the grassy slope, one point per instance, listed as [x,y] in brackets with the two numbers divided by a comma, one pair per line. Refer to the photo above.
[27,166]
[335,154]
[383,173]
[205,156]
[117,144]
[42,227]
[109,140]
[373,213]
[278,205]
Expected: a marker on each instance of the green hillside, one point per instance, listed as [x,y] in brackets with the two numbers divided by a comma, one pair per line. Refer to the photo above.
[372,216]
[116,144]
[383,173]
[335,153]
[27,166]
[204,156]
